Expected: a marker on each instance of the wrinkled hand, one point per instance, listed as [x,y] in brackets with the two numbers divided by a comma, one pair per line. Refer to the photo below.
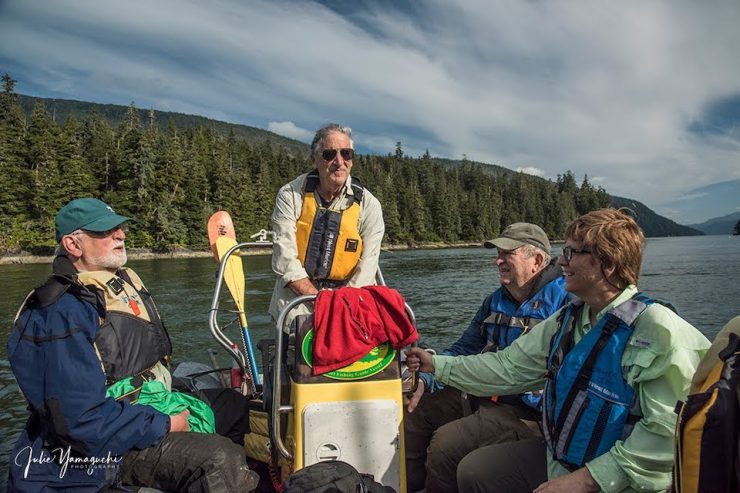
[179,422]
[579,481]
[418,359]
[416,396]
[303,286]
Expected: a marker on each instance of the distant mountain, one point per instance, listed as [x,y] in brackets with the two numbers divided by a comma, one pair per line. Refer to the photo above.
[61,109]
[700,204]
[651,223]
[724,225]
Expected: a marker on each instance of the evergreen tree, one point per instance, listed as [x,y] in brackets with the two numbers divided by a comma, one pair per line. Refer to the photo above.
[75,171]
[15,194]
[167,228]
[99,150]
[172,179]
[47,187]
[196,206]
[388,198]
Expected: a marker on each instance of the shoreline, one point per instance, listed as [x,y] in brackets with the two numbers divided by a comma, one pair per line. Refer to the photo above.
[145,254]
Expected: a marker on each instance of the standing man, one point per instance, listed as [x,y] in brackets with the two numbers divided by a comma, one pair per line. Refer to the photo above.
[328,227]
[91,328]
[613,364]
[441,430]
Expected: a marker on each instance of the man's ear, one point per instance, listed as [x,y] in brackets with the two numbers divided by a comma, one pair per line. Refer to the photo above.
[71,245]
[539,260]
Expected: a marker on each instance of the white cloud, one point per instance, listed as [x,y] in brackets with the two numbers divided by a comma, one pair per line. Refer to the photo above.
[604,89]
[289,129]
[531,170]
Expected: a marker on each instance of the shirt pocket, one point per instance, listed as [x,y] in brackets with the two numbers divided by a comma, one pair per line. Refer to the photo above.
[638,357]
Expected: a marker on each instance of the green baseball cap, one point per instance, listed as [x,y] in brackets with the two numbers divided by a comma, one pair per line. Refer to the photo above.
[519,234]
[88,213]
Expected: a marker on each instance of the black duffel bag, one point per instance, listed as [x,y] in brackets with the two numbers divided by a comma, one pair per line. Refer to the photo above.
[333,476]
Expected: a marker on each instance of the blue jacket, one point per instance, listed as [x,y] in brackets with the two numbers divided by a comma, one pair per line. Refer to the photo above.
[72,421]
[490,331]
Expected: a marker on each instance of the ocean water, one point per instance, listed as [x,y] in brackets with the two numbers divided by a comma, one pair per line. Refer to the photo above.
[698,275]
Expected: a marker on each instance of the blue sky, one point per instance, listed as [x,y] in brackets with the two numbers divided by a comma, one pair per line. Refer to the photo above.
[643,96]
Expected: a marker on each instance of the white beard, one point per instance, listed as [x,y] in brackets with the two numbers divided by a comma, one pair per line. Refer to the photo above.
[112,260]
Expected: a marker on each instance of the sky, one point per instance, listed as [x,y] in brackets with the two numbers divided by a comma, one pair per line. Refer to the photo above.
[641,96]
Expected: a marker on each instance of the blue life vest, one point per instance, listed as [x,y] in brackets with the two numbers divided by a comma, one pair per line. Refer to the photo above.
[507,322]
[588,404]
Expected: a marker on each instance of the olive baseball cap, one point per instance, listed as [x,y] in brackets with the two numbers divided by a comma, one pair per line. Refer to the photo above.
[88,213]
[520,234]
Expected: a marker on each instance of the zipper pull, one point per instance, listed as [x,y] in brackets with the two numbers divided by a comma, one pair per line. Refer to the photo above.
[134,307]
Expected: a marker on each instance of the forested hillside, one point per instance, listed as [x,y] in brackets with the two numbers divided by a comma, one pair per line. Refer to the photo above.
[654,225]
[171,179]
[62,109]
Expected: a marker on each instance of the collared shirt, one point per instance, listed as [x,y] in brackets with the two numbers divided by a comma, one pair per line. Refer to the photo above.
[659,361]
[285,263]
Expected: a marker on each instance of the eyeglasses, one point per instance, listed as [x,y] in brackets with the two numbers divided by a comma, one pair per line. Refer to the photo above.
[505,253]
[568,253]
[99,235]
[329,154]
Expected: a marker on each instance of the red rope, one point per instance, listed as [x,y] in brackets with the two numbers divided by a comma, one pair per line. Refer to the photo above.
[275,477]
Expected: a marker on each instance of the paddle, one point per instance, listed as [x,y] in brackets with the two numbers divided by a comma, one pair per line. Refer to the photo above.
[221,236]
[220,224]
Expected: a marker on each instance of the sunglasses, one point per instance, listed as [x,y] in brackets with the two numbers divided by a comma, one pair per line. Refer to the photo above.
[568,252]
[99,235]
[329,154]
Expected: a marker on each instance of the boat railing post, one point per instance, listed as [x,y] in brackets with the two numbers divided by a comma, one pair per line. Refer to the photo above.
[277,373]
[216,331]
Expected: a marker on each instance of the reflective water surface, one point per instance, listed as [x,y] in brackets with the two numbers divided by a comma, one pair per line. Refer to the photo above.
[699,275]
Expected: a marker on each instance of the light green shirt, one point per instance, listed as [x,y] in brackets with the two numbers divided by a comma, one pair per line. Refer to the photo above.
[659,361]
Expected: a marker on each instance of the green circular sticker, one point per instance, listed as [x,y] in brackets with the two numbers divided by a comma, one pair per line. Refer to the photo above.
[372,363]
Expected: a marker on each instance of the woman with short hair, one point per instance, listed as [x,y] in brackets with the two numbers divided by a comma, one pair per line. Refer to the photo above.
[613,363]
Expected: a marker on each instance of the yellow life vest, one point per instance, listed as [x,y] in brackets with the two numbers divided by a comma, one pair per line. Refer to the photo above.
[707,447]
[329,242]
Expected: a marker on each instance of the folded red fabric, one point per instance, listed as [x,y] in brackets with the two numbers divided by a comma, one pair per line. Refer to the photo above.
[349,322]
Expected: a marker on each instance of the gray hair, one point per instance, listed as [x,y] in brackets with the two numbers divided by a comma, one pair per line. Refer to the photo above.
[60,250]
[531,251]
[324,131]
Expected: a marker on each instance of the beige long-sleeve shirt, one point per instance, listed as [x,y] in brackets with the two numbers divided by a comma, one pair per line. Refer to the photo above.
[285,263]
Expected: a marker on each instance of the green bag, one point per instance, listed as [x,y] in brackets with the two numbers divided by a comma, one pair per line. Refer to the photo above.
[155,394]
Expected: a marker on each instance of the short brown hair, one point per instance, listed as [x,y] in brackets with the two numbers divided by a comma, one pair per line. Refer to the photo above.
[615,238]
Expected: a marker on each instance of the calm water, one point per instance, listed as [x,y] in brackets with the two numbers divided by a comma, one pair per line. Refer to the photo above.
[699,275]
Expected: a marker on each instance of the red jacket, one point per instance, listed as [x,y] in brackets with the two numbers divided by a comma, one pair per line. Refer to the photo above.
[349,322]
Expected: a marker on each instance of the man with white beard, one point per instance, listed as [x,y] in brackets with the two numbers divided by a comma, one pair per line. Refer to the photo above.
[85,347]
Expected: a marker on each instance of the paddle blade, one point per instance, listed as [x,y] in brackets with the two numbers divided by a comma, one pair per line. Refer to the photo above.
[220,224]
[233,272]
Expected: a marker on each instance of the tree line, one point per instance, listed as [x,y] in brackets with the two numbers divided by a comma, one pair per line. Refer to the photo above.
[172,179]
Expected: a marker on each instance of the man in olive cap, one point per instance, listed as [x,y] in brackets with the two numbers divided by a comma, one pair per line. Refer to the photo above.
[90,329]
[442,424]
